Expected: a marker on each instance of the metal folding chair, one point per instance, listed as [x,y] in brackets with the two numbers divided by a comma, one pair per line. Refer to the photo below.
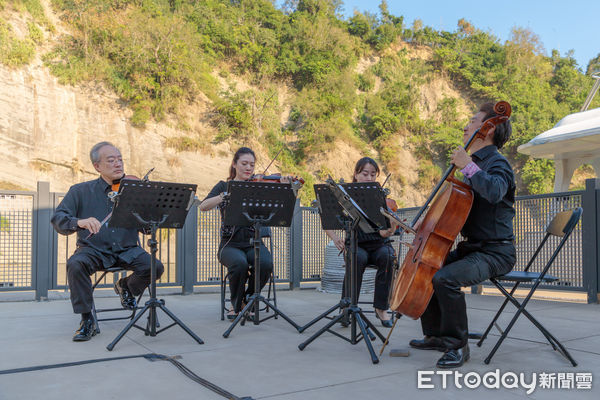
[129,313]
[562,226]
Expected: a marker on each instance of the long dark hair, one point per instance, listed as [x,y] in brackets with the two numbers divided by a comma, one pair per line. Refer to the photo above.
[241,151]
[360,165]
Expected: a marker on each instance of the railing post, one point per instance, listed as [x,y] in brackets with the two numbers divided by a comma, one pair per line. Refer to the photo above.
[42,241]
[590,225]
[187,250]
[296,247]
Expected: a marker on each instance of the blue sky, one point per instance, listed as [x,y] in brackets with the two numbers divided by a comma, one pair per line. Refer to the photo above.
[561,25]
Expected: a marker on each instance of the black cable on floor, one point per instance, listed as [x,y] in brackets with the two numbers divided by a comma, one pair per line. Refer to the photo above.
[69,364]
[150,357]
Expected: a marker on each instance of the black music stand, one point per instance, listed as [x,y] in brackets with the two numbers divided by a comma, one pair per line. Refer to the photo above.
[339,209]
[150,206]
[258,204]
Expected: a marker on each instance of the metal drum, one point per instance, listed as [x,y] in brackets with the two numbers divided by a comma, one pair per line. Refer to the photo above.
[334,269]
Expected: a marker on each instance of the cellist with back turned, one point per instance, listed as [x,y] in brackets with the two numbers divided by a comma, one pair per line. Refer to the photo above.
[488,249]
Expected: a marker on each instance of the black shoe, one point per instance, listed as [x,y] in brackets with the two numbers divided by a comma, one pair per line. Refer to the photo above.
[86,330]
[454,358]
[127,299]
[428,343]
[387,323]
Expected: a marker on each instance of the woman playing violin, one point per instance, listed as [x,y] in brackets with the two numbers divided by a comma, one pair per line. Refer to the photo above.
[373,248]
[235,250]
[100,247]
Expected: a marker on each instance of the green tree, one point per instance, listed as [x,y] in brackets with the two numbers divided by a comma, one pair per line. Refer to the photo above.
[594,65]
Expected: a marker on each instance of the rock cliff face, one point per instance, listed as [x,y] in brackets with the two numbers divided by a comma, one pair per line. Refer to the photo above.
[47,130]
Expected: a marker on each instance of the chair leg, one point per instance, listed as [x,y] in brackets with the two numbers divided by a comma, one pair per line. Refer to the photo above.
[274,291]
[521,310]
[223,285]
[487,331]
[544,331]
[95,316]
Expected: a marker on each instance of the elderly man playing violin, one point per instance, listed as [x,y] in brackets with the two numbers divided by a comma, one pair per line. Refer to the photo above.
[488,249]
[98,246]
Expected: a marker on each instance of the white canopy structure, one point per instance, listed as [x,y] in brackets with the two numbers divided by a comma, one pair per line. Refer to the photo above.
[574,140]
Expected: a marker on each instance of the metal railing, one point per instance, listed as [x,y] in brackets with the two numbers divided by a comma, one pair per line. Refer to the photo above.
[533,214]
[33,256]
[16,240]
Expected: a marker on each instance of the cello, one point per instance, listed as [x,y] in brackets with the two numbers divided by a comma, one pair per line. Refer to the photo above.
[451,202]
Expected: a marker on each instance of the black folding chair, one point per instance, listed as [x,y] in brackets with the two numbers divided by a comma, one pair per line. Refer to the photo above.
[562,225]
[129,314]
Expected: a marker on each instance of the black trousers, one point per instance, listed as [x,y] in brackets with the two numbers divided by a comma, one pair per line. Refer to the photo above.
[238,259]
[81,265]
[380,255]
[469,264]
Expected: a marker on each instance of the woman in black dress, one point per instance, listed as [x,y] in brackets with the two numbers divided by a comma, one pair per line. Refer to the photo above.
[373,248]
[235,249]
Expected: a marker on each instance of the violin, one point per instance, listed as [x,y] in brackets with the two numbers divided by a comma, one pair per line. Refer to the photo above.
[114,191]
[391,205]
[116,185]
[274,178]
[295,181]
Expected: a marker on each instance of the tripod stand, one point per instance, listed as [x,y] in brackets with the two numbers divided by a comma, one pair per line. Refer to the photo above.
[258,204]
[152,198]
[348,307]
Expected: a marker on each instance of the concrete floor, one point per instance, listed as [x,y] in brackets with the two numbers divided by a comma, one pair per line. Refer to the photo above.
[263,362]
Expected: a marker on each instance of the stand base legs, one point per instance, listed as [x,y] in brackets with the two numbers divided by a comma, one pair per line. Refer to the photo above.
[357,320]
[253,303]
[150,329]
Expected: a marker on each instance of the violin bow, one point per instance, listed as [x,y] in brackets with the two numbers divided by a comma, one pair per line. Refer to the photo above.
[386,179]
[272,161]
[145,178]
[101,224]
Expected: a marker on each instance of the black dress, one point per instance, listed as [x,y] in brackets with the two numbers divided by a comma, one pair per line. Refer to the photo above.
[237,254]
[374,250]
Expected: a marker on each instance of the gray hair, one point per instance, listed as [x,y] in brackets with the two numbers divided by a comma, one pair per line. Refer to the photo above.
[94,152]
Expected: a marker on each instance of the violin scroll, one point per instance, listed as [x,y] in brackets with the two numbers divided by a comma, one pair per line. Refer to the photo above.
[116,184]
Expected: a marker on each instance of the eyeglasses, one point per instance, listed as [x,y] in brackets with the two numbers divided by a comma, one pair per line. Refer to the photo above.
[113,161]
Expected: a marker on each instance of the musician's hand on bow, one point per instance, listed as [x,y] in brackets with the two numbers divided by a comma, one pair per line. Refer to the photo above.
[460,158]
[339,243]
[91,224]
[386,233]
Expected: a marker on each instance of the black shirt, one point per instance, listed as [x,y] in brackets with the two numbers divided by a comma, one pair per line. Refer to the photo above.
[368,238]
[491,217]
[90,199]
[235,235]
